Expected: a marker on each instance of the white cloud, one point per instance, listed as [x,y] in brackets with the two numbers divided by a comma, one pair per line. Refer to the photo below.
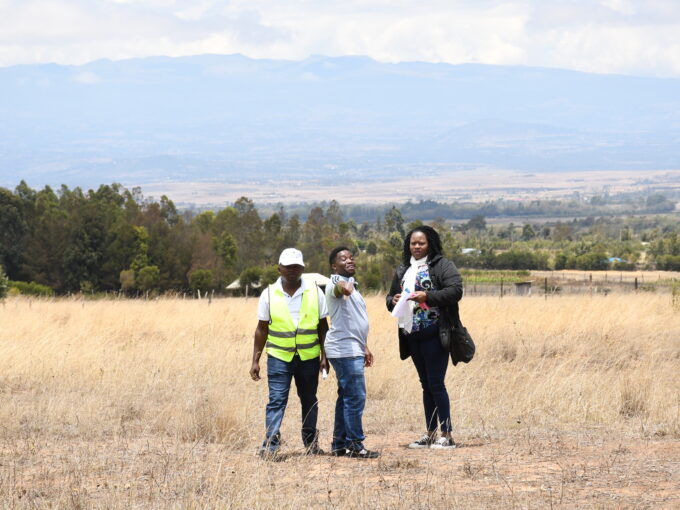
[622,36]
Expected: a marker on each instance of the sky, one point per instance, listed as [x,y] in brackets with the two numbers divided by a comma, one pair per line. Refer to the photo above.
[633,37]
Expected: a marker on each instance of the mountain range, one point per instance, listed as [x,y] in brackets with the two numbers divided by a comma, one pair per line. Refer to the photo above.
[230,118]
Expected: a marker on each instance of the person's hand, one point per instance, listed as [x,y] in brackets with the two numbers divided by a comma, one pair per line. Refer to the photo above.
[346,288]
[324,364]
[368,358]
[418,296]
[255,371]
[395,298]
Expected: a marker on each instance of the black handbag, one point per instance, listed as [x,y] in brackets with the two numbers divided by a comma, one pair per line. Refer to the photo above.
[456,340]
[462,347]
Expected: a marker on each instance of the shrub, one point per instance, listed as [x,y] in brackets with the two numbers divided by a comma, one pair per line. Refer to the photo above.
[250,277]
[269,275]
[201,279]
[31,288]
[148,278]
[127,280]
[668,263]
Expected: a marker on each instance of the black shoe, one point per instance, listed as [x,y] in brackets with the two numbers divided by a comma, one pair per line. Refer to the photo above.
[424,442]
[340,452]
[362,453]
[313,449]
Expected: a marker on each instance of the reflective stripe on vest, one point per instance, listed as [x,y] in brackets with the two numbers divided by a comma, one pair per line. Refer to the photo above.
[284,339]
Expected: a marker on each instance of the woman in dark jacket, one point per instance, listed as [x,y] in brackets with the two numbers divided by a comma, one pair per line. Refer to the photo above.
[435,287]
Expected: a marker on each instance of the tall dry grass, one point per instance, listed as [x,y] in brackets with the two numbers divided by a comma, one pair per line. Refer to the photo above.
[119,403]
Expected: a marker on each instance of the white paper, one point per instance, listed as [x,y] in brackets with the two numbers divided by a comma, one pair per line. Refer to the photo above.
[402,305]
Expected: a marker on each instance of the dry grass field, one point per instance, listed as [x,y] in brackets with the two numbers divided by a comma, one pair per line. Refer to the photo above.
[442,184]
[571,402]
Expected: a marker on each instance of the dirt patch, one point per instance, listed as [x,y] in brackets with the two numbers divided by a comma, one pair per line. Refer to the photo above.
[572,470]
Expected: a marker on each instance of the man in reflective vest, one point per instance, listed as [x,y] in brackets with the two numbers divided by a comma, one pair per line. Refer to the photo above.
[291,328]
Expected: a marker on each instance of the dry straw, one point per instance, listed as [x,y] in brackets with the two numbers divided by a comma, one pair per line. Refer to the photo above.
[120,403]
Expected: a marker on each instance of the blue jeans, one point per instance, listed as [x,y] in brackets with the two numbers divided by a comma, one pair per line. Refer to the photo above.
[431,361]
[279,376]
[349,407]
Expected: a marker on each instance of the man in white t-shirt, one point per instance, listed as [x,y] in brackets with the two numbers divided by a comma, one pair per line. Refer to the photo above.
[291,328]
[347,351]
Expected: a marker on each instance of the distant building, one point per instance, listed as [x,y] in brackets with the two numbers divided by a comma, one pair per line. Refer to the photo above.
[470,251]
[523,288]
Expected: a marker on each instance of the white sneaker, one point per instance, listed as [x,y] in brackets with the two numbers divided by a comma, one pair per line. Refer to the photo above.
[423,442]
[443,442]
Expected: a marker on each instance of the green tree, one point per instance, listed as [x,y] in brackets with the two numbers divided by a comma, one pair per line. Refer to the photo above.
[148,278]
[269,275]
[204,221]
[247,232]
[201,279]
[250,277]
[292,232]
[226,248]
[47,238]
[127,280]
[562,232]
[140,248]
[477,222]
[334,214]
[273,237]
[394,221]
[13,227]
[528,232]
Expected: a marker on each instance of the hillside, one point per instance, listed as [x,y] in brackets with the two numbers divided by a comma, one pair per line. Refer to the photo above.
[232,118]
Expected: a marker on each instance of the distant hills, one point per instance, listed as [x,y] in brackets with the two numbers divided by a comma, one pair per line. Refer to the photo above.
[232,118]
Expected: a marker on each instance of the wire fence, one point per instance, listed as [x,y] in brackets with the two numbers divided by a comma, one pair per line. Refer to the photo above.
[569,284]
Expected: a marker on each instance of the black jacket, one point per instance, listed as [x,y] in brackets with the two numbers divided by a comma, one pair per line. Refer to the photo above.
[449,285]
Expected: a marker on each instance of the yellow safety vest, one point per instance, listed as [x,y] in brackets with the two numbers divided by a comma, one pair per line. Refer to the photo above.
[284,339]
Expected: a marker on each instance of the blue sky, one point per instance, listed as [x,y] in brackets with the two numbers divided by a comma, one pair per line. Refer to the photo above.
[635,37]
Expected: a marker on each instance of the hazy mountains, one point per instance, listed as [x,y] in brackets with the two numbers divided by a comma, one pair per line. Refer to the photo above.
[232,118]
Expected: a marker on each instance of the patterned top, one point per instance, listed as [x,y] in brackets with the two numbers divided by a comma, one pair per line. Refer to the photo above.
[424,315]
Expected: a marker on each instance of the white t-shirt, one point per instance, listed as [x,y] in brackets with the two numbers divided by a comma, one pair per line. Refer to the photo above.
[294,302]
[348,334]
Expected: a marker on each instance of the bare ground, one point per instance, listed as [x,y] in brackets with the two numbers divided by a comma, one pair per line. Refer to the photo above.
[584,469]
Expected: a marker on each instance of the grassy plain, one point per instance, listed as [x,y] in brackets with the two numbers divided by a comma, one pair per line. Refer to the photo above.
[571,402]
[438,183]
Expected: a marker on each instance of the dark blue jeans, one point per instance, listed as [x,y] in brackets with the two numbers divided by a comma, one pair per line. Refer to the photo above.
[349,407]
[279,376]
[431,361]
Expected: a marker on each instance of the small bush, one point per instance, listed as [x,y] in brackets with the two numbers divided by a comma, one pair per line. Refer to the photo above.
[127,280]
[201,280]
[148,278]
[31,288]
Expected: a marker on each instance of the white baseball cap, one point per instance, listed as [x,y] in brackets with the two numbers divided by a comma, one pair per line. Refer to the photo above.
[291,257]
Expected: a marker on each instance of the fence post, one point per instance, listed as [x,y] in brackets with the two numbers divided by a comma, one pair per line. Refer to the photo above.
[636,284]
[546,288]
[501,287]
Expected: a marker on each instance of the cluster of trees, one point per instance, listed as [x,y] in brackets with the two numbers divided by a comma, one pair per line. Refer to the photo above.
[666,252]
[115,239]
[597,205]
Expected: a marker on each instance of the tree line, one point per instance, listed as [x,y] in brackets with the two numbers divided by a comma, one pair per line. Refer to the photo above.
[116,240]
